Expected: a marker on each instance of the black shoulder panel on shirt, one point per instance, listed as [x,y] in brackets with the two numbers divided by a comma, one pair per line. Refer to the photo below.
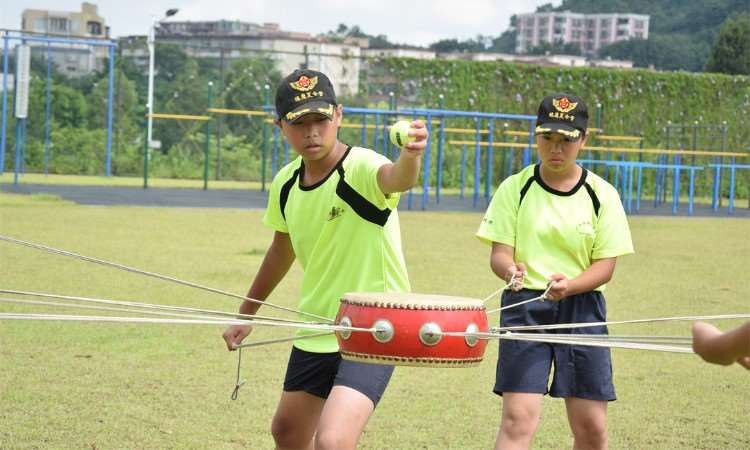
[284,194]
[525,189]
[594,198]
[359,204]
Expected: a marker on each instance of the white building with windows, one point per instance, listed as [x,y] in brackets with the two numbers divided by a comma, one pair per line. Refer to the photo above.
[234,39]
[589,31]
[71,59]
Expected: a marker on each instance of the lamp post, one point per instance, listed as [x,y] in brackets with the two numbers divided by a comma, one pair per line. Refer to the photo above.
[150,41]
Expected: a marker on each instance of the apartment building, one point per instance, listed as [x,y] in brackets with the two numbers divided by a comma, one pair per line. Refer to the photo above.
[71,59]
[590,32]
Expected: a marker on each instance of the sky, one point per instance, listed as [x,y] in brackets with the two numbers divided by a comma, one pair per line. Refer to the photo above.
[413,22]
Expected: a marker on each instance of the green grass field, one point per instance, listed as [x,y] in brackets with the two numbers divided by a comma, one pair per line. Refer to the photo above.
[94,385]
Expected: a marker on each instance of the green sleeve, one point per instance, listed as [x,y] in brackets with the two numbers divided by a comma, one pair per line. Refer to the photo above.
[499,221]
[364,178]
[273,217]
[612,230]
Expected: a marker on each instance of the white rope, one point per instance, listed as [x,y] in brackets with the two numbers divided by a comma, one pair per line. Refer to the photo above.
[513,280]
[552,339]
[146,305]
[541,297]
[107,308]
[286,339]
[64,317]
[617,322]
[156,275]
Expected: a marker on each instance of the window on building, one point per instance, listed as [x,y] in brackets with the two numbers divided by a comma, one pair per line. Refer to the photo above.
[559,19]
[576,34]
[529,33]
[605,22]
[94,28]
[589,46]
[639,24]
[589,35]
[604,34]
[559,30]
[591,23]
[543,21]
[639,34]
[542,33]
[577,22]
[622,33]
[58,25]
[623,21]
[529,21]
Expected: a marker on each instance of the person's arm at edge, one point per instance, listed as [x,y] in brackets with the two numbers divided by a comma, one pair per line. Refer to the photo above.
[722,348]
[402,175]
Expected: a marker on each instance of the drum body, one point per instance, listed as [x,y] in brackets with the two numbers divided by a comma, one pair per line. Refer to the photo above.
[409,329]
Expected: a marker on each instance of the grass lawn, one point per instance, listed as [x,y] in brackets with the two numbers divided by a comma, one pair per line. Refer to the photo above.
[95,385]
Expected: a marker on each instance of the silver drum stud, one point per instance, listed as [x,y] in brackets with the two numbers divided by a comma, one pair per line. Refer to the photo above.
[471,335]
[430,334]
[383,331]
[345,322]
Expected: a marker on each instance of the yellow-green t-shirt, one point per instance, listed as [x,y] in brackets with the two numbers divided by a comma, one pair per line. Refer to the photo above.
[553,231]
[345,234]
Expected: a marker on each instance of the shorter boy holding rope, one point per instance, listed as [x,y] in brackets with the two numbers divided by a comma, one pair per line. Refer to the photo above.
[556,230]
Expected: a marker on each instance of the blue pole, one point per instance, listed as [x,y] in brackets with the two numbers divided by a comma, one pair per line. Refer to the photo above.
[731,187]
[692,186]
[47,111]
[110,95]
[427,158]
[376,135]
[441,141]
[5,101]
[638,198]
[477,162]
[488,179]
[363,132]
[676,190]
[463,171]
[527,150]
[629,170]
[717,187]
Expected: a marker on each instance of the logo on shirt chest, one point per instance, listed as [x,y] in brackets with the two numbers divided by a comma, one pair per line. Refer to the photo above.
[334,213]
[586,228]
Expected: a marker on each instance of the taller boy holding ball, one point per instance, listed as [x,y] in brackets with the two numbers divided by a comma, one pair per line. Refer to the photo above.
[334,209]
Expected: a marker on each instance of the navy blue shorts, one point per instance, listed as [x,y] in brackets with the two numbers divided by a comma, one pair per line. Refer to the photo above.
[580,371]
[318,373]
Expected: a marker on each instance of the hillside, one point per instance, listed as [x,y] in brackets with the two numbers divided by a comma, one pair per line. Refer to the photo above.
[681,31]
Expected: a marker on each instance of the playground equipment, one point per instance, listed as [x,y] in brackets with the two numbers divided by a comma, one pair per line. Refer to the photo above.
[21,120]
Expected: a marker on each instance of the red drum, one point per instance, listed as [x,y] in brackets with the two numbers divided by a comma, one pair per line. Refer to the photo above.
[409,329]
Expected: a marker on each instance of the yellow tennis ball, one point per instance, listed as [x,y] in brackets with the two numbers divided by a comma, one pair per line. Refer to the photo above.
[400,133]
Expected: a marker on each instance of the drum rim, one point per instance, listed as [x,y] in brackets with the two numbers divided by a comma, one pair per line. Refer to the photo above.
[413,360]
[405,300]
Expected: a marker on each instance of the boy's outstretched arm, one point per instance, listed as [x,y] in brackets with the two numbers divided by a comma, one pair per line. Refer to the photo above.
[402,175]
[279,258]
[722,348]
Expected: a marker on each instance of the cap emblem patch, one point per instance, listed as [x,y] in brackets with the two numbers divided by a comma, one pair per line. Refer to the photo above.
[564,105]
[304,83]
